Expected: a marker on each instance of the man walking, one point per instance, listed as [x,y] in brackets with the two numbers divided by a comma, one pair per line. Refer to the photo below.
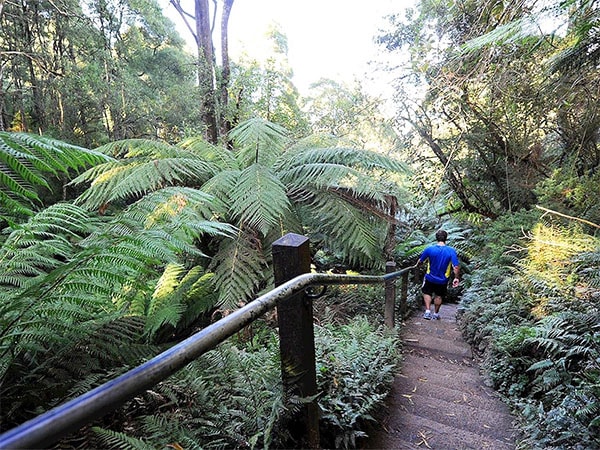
[441,261]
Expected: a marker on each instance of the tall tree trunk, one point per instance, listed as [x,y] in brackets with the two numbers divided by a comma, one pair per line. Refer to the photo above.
[206,69]
[225,69]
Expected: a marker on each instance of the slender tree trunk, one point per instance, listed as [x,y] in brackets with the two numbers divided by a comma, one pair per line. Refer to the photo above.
[206,69]
[225,69]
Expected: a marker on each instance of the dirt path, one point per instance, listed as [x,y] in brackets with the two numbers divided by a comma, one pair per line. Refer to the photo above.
[439,400]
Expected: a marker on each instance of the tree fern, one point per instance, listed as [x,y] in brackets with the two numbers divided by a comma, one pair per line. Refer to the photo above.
[28,163]
[348,229]
[179,298]
[260,200]
[146,166]
[263,186]
[239,267]
[258,141]
[222,158]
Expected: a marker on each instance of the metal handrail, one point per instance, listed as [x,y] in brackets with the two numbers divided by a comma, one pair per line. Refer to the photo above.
[47,428]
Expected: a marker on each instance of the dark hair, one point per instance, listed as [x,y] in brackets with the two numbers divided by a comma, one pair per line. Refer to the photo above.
[441,236]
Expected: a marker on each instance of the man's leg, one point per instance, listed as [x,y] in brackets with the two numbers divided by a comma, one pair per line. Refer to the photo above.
[427,301]
[437,300]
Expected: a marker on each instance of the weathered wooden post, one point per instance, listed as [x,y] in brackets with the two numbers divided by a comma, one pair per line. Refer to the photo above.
[390,296]
[291,257]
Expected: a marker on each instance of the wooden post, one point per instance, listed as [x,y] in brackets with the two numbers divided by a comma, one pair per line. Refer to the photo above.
[390,296]
[291,257]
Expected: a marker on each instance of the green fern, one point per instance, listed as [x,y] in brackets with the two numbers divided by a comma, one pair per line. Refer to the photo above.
[258,141]
[240,269]
[114,439]
[28,163]
[260,200]
[146,166]
[264,186]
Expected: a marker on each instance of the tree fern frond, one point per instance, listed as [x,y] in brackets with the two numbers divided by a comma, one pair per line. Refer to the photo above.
[166,284]
[259,141]
[221,157]
[240,269]
[260,200]
[147,166]
[222,186]
[44,242]
[27,162]
[349,229]
[350,157]
[59,155]
[332,176]
[165,307]
[183,213]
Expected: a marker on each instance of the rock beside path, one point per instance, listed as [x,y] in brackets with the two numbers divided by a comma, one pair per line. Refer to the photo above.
[440,400]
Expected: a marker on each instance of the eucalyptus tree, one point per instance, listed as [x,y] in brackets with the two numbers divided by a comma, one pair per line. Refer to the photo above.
[267,186]
[91,71]
[569,86]
[264,88]
[201,21]
[349,112]
[482,114]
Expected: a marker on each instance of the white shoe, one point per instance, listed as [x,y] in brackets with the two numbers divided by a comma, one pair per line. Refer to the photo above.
[436,316]
[427,315]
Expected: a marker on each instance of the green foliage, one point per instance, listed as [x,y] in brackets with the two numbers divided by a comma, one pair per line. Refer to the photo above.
[71,282]
[31,165]
[356,367]
[89,72]
[141,167]
[533,318]
[229,397]
[232,396]
[266,186]
[567,192]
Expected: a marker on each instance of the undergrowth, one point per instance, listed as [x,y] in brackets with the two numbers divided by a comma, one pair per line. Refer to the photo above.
[531,313]
[232,396]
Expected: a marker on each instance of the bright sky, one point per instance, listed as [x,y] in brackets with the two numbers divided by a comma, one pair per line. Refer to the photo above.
[326,38]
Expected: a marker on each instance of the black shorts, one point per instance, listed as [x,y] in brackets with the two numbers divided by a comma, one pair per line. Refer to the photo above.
[434,289]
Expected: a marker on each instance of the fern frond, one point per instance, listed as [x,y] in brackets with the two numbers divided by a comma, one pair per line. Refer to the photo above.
[122,441]
[221,157]
[260,200]
[259,141]
[27,162]
[146,166]
[349,230]
[221,187]
[350,157]
[43,243]
[241,268]
[165,307]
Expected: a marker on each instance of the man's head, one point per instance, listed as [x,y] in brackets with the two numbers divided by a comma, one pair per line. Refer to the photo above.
[441,236]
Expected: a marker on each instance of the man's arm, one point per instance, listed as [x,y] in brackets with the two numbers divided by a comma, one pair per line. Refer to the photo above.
[456,280]
[456,267]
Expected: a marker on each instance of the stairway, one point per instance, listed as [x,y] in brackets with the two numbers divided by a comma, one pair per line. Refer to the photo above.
[439,400]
